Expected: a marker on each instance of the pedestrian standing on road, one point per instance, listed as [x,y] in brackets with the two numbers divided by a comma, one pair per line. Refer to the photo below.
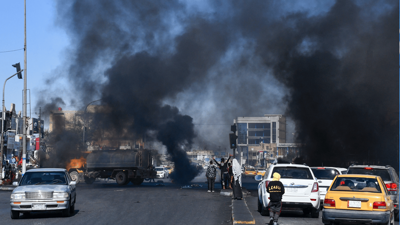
[7,170]
[224,171]
[275,189]
[211,173]
[230,176]
[237,180]
[151,168]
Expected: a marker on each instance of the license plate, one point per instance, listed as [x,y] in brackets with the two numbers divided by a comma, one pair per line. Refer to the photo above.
[291,189]
[354,204]
[38,206]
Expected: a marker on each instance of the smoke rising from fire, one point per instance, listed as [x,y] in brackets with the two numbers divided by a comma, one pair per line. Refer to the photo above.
[331,69]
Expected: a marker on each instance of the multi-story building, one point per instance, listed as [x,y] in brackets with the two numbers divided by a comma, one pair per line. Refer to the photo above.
[259,134]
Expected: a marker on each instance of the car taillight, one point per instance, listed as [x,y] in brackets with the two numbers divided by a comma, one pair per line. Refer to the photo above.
[315,187]
[329,202]
[368,168]
[391,186]
[266,184]
[379,205]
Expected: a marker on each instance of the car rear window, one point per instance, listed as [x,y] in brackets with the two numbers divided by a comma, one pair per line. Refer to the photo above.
[356,184]
[325,174]
[293,172]
[250,169]
[383,173]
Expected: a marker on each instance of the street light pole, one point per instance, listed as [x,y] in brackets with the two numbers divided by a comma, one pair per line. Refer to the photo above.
[3,115]
[24,103]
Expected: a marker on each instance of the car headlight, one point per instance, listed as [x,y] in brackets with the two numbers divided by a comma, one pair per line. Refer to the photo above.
[60,195]
[18,196]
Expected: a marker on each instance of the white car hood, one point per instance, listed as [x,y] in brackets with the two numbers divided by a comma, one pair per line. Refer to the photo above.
[44,188]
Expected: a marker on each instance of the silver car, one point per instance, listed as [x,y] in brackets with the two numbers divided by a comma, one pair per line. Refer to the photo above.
[45,189]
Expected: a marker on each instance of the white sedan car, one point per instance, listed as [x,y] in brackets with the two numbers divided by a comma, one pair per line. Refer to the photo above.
[160,172]
[44,190]
[325,176]
[301,188]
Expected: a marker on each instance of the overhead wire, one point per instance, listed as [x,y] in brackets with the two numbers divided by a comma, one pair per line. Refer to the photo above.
[12,50]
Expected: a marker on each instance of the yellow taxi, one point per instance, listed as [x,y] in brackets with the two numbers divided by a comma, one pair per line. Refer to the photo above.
[260,171]
[250,171]
[170,169]
[358,198]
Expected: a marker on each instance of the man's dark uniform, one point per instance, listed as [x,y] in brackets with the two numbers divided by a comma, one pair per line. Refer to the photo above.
[276,190]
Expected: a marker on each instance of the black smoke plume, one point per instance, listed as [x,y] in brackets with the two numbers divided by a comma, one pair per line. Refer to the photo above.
[332,70]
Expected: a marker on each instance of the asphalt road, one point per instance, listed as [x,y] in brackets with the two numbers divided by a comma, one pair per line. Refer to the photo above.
[107,203]
[288,217]
[153,203]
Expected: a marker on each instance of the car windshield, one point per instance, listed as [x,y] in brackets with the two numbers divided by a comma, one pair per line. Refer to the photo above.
[325,174]
[43,178]
[356,184]
[383,173]
[293,172]
[159,169]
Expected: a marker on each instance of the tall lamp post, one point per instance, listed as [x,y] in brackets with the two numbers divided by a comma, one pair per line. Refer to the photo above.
[3,114]
[24,111]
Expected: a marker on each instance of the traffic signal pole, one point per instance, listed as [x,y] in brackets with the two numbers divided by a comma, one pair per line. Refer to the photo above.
[24,118]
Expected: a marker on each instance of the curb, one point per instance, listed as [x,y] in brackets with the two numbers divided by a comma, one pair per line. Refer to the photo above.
[7,188]
[229,192]
[241,213]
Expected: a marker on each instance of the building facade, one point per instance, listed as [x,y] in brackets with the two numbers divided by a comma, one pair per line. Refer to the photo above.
[259,134]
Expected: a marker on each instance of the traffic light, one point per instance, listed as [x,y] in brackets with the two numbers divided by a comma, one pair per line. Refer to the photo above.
[18,67]
[232,140]
[233,128]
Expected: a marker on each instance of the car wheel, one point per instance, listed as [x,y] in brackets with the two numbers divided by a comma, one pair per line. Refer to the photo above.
[121,178]
[67,212]
[306,212]
[263,210]
[259,205]
[314,213]
[14,214]
[72,209]
[74,176]
[396,216]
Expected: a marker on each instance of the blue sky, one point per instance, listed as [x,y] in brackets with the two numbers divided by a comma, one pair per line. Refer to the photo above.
[46,43]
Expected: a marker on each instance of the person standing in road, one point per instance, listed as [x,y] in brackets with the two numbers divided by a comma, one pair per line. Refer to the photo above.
[275,189]
[224,171]
[230,176]
[237,180]
[211,173]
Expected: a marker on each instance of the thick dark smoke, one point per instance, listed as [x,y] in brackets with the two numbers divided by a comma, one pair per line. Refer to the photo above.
[341,71]
[332,70]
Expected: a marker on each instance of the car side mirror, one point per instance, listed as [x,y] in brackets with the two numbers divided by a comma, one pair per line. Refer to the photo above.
[258,178]
[72,183]
[15,183]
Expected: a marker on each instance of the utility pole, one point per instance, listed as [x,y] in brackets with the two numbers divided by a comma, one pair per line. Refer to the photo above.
[40,124]
[24,119]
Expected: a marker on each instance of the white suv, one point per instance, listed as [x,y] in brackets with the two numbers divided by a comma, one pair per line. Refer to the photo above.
[325,176]
[301,188]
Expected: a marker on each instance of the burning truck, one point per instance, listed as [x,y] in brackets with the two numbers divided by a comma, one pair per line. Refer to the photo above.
[122,165]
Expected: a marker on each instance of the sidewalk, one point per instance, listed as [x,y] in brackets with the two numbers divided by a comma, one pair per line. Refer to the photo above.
[7,187]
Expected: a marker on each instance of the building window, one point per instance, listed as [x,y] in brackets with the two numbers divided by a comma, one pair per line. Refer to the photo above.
[242,133]
[259,126]
[273,132]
